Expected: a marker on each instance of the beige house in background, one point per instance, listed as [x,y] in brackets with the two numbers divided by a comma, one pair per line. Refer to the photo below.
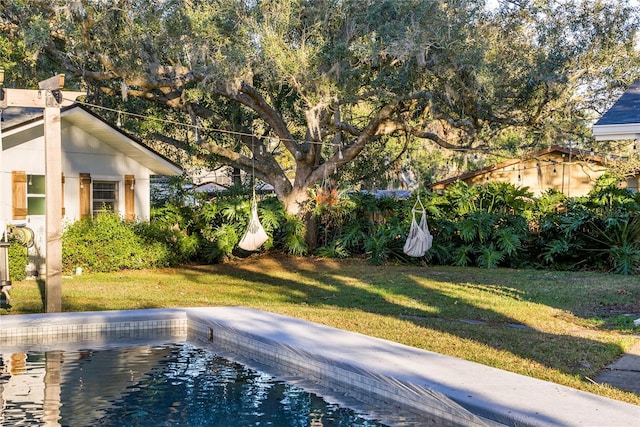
[570,171]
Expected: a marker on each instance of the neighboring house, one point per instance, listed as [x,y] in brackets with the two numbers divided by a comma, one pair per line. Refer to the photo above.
[103,168]
[219,178]
[570,171]
[622,120]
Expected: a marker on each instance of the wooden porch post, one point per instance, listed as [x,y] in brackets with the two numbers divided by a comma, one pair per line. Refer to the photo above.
[53,205]
[49,97]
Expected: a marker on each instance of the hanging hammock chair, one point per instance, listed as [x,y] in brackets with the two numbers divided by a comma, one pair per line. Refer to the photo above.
[255,236]
[419,240]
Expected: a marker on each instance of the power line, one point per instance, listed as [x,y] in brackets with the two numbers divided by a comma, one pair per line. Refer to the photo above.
[196,127]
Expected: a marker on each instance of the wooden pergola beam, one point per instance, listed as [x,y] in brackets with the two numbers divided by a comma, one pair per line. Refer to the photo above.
[50,98]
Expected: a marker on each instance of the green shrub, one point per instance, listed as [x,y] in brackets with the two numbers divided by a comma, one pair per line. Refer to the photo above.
[219,243]
[108,243]
[493,225]
[18,261]
[292,236]
[180,246]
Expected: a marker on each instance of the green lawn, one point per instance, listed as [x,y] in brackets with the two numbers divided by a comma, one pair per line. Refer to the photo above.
[558,326]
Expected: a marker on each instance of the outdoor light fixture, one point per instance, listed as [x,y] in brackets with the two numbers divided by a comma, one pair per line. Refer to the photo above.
[54,85]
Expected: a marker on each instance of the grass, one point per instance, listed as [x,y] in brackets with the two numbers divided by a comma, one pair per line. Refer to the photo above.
[562,327]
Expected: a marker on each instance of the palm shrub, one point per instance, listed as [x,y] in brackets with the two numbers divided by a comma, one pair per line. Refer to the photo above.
[179,244]
[218,242]
[353,234]
[620,237]
[175,217]
[444,250]
[481,225]
[334,249]
[489,240]
[331,208]
[385,243]
[581,238]
[387,223]
[600,231]
[361,224]
[220,224]
[613,231]
[560,237]
[293,236]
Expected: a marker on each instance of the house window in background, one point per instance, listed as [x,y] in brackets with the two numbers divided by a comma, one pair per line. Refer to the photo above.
[35,195]
[105,196]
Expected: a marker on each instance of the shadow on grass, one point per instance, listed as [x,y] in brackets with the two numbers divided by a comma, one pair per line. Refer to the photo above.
[360,289]
[414,311]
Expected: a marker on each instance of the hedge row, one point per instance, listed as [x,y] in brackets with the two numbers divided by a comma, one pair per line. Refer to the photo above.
[495,225]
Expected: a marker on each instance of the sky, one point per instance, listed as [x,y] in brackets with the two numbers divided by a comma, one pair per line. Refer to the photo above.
[493,3]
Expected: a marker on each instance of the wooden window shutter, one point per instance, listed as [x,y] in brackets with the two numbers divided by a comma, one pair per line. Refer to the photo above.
[129,199]
[19,194]
[85,195]
[63,210]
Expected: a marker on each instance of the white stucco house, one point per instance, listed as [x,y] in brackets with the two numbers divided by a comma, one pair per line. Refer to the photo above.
[102,168]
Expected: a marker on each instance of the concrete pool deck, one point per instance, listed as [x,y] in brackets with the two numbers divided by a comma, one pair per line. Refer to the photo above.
[624,373]
[443,390]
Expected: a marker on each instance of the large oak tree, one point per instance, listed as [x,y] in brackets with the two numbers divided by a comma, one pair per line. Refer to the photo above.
[299,90]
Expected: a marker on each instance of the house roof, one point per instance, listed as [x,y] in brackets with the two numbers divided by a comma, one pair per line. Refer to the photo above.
[18,119]
[16,115]
[554,149]
[622,120]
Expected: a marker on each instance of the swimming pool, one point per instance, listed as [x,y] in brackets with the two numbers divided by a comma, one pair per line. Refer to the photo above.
[154,385]
[394,383]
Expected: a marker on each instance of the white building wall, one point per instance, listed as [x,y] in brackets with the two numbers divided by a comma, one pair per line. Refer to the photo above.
[81,153]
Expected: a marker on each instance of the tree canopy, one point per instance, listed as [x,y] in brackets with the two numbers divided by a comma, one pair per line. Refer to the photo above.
[300,90]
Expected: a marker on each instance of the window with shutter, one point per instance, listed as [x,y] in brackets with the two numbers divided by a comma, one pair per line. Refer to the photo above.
[36,195]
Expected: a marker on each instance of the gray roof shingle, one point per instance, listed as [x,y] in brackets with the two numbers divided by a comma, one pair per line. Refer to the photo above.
[626,109]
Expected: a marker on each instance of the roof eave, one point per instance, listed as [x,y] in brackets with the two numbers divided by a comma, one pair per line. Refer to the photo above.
[616,132]
[119,140]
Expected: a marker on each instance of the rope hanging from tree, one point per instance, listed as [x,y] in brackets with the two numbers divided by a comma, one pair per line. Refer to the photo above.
[254,236]
[419,240]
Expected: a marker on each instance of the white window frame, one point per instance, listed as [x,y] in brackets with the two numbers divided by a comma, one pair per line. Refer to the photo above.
[98,203]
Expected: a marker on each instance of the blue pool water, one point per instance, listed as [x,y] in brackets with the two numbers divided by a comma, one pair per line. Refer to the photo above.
[166,385]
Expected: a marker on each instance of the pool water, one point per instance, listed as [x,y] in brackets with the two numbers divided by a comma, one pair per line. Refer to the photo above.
[165,385]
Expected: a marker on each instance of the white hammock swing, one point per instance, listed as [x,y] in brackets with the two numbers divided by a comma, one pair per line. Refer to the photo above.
[419,240]
[254,236]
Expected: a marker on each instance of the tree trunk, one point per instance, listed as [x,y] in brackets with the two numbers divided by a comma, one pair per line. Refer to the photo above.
[294,203]
[311,230]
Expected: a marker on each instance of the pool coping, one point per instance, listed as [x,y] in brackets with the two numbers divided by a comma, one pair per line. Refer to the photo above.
[444,390]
